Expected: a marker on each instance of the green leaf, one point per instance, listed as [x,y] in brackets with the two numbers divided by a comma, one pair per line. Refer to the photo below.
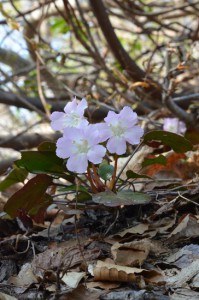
[43,162]
[83,196]
[177,142]
[161,160]
[125,197]
[58,25]
[193,136]
[29,197]
[15,176]
[105,171]
[47,146]
[73,188]
[131,174]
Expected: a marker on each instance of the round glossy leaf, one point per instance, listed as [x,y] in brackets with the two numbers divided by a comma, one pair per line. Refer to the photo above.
[177,142]
[132,175]
[106,171]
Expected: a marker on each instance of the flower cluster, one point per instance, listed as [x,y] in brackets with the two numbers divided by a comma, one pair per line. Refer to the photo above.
[174,125]
[80,142]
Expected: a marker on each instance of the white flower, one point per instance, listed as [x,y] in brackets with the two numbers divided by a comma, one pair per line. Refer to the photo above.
[80,145]
[174,125]
[121,128]
[73,116]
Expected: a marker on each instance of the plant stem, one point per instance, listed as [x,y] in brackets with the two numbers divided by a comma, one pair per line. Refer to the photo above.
[91,181]
[113,181]
[126,163]
[98,182]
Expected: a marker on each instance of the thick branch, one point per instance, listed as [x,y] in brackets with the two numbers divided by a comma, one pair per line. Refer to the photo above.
[95,114]
[121,55]
[27,141]
[14,60]
[126,62]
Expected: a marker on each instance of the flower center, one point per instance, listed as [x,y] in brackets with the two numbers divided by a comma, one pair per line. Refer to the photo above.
[72,119]
[118,130]
[82,146]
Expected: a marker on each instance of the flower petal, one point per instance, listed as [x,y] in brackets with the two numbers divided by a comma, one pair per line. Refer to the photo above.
[70,106]
[96,154]
[65,148]
[116,145]
[112,118]
[82,106]
[77,163]
[128,116]
[57,120]
[72,133]
[133,135]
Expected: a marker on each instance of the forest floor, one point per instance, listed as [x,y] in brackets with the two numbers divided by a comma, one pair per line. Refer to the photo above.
[134,252]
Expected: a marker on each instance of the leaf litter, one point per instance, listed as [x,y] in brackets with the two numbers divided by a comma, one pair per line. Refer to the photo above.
[150,250]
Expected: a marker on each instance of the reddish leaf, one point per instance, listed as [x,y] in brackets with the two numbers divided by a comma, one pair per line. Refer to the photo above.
[30,197]
[173,163]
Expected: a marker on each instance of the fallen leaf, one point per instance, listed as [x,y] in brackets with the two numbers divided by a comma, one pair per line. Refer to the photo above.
[72,279]
[82,293]
[183,278]
[184,294]
[6,297]
[111,272]
[131,254]
[102,285]
[188,227]
[24,278]
[65,257]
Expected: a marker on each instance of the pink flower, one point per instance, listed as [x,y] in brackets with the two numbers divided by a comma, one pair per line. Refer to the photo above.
[174,125]
[121,128]
[73,116]
[80,145]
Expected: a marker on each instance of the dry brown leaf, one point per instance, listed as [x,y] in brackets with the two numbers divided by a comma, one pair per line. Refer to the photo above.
[138,229]
[135,253]
[24,278]
[64,258]
[82,293]
[102,285]
[72,279]
[110,272]
[162,225]
[6,297]
[131,254]
[188,227]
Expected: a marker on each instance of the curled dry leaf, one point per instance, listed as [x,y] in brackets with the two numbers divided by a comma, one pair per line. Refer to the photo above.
[134,253]
[111,272]
[131,254]
[135,230]
[188,227]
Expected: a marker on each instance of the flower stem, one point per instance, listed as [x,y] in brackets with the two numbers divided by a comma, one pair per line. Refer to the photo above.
[91,181]
[128,160]
[113,180]
[98,182]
